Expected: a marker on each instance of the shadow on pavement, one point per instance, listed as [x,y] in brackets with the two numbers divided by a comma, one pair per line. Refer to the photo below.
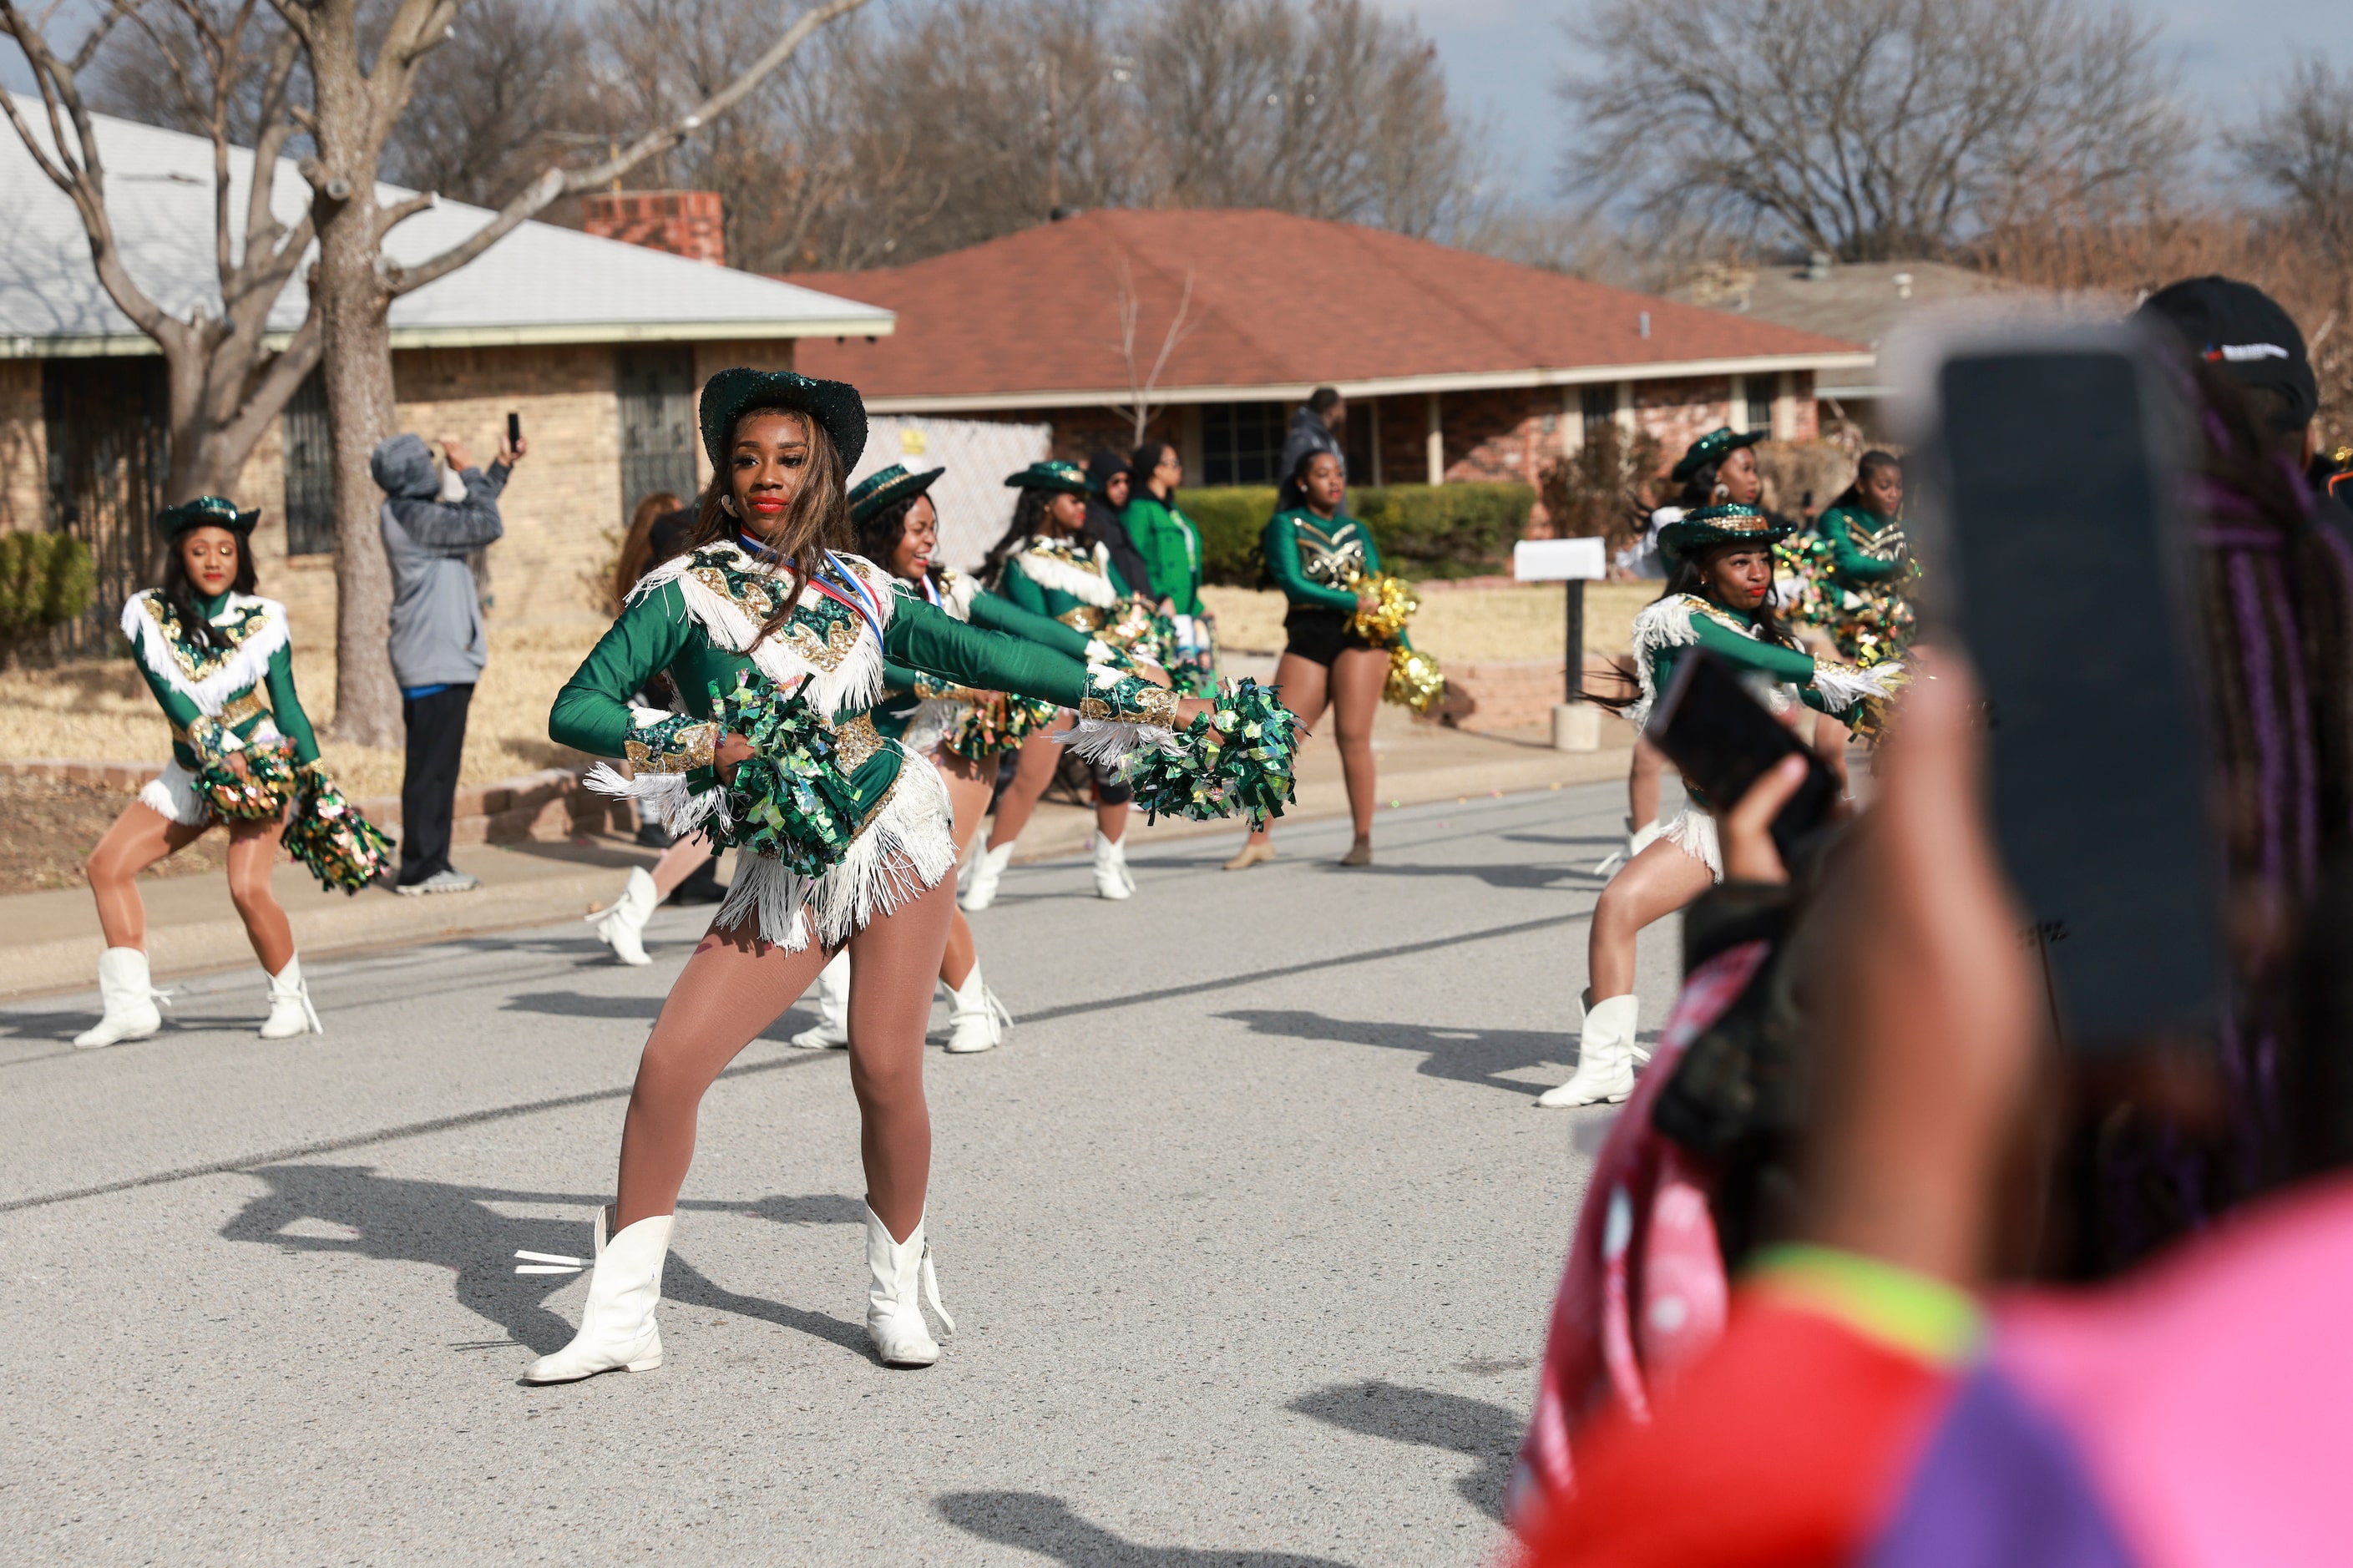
[1037,1522]
[1520,878]
[581,1005]
[1472,1427]
[396,1220]
[1465,1056]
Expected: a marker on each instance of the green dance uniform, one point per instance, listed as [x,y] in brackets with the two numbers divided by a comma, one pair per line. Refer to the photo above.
[923,709]
[1171,548]
[1312,560]
[215,698]
[698,618]
[1855,575]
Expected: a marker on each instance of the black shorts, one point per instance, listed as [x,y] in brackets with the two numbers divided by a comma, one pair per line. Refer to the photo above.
[1319,636]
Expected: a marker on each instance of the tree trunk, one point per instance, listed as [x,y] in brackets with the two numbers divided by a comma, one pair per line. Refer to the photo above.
[357,336]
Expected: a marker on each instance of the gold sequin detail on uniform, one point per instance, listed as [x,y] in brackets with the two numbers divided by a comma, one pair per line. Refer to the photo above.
[856,742]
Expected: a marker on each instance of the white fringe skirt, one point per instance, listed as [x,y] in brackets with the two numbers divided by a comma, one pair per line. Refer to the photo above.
[905,848]
[173,792]
[1693,832]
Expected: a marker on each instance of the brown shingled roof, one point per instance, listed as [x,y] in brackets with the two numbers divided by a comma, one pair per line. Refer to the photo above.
[1278,301]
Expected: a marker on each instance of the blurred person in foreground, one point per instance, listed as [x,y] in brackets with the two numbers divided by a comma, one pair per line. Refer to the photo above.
[433,520]
[1868,1402]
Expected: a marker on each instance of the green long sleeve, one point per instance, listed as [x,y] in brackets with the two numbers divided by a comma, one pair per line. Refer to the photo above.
[1749,653]
[934,641]
[1848,561]
[992,612]
[285,708]
[177,706]
[592,712]
[1279,540]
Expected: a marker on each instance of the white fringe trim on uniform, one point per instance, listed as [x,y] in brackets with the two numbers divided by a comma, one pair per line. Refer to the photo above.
[854,682]
[246,666]
[1694,833]
[1051,571]
[173,793]
[1659,625]
[1843,685]
[936,718]
[957,592]
[1114,740]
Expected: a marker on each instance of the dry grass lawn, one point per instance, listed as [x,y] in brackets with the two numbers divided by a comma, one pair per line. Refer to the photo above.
[100,711]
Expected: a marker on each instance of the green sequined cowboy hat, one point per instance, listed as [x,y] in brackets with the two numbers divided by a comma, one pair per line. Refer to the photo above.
[1053,474]
[832,404]
[1704,527]
[1713,447]
[206,512]
[883,488]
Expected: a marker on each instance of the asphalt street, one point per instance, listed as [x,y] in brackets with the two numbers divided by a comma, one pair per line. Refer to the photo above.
[1250,1231]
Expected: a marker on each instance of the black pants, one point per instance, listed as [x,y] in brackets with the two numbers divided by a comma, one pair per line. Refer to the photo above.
[428,780]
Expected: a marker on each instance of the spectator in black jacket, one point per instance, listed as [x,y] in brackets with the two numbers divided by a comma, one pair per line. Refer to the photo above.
[1108,481]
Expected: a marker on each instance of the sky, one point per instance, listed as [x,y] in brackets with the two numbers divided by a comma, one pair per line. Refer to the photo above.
[1501,57]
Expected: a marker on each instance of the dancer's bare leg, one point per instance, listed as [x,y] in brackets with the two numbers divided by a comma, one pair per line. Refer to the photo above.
[1642,784]
[1654,884]
[1111,821]
[252,853]
[677,863]
[731,989]
[969,784]
[1041,755]
[1306,690]
[140,837]
[1358,676]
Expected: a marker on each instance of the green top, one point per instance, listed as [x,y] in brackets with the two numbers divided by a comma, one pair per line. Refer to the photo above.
[1311,558]
[1719,630]
[1061,580]
[982,608]
[205,691]
[663,630]
[1863,548]
[1171,548]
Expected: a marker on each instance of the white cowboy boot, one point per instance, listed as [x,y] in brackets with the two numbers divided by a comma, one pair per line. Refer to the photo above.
[290,1011]
[988,866]
[1112,880]
[893,1321]
[1637,840]
[129,998]
[616,1327]
[1604,1057]
[976,1019]
[620,925]
[832,1030]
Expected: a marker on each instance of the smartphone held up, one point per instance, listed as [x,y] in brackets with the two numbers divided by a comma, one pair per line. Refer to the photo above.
[2049,528]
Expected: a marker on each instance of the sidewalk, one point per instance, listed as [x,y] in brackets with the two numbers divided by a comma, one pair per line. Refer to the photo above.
[49,942]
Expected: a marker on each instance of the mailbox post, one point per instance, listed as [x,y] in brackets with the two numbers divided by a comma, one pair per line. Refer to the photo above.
[1573,562]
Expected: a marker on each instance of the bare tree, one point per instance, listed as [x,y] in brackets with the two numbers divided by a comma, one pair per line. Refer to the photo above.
[1141,380]
[2301,148]
[1867,128]
[360,95]
[504,99]
[225,74]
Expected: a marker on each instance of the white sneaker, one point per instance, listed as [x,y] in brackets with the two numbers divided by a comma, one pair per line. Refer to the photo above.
[129,998]
[832,1030]
[1112,879]
[988,868]
[976,1019]
[1604,1057]
[448,881]
[894,1321]
[290,1013]
[621,924]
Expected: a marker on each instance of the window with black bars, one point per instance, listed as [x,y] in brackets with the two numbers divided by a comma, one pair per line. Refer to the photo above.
[1599,404]
[1761,404]
[310,500]
[1241,443]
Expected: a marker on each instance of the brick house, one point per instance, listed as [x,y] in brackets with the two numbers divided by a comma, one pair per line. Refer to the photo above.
[1456,366]
[599,345]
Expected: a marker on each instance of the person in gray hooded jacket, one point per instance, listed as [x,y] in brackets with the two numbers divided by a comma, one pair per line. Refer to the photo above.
[438,647]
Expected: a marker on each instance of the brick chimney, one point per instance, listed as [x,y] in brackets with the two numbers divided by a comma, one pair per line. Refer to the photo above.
[684,223]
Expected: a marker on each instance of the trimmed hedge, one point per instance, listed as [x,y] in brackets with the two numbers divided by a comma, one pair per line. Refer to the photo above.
[45,580]
[1424,531]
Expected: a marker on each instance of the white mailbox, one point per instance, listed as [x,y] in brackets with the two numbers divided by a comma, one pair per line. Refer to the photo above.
[1558,561]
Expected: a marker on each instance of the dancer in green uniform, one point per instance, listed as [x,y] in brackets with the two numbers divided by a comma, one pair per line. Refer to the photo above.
[762,598]
[1720,597]
[219,659]
[1862,592]
[1044,565]
[1313,553]
[1171,548]
[898,527]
